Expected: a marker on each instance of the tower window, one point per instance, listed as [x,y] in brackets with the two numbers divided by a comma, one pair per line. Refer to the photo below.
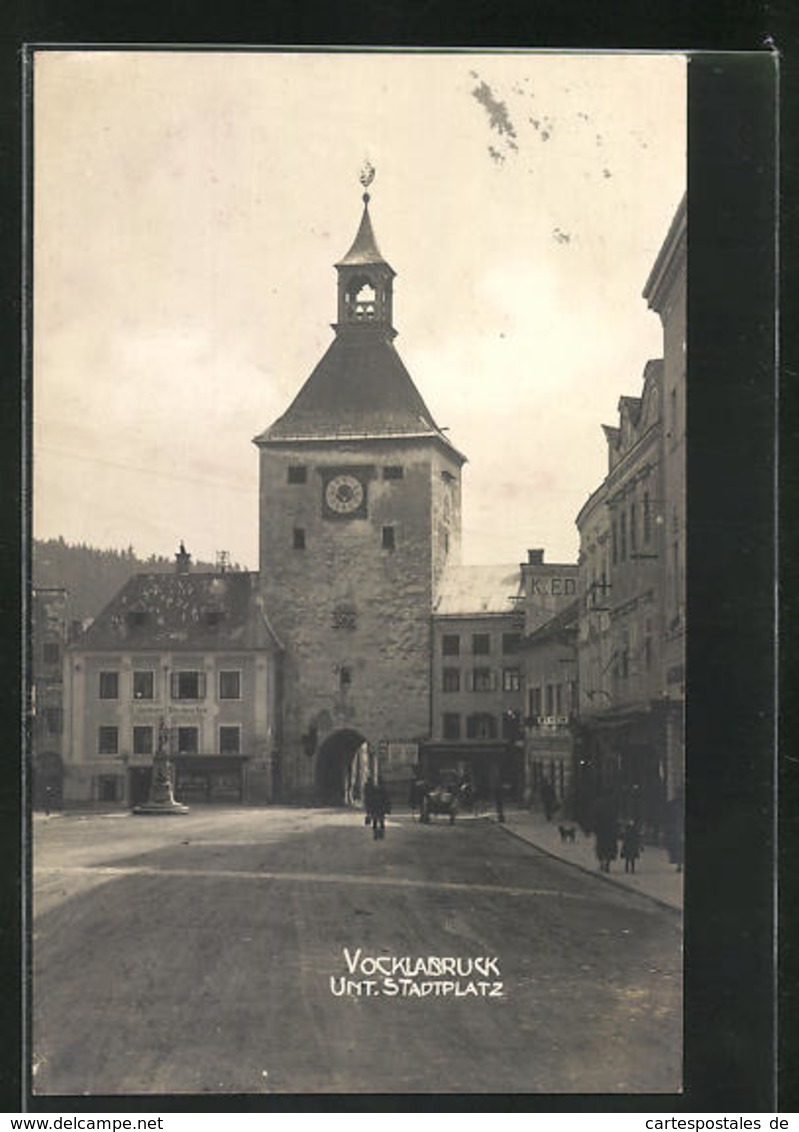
[299,538]
[345,618]
[298,473]
[361,299]
[344,676]
[388,538]
[393,472]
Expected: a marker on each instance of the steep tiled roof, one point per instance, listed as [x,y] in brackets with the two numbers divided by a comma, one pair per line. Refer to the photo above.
[186,611]
[359,388]
[472,590]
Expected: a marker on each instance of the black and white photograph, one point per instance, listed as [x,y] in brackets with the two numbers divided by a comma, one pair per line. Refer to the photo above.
[358,608]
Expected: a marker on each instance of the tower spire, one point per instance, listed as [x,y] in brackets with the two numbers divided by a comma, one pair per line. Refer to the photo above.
[365,278]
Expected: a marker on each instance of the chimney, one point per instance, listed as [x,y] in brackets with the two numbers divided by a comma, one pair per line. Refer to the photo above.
[535,557]
[182,560]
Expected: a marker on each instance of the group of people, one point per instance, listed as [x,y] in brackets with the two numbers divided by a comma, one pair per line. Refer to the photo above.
[626,841]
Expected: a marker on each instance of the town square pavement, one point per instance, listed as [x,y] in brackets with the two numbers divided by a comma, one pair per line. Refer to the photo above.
[284,950]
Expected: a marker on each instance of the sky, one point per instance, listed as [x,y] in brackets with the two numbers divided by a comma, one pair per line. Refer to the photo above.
[188,208]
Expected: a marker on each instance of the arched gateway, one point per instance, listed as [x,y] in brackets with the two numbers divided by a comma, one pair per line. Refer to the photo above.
[342,768]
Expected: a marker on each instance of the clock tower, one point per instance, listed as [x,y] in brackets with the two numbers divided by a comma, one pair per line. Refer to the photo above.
[360,499]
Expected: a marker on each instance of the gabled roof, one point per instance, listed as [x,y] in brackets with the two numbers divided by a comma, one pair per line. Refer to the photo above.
[473,590]
[359,388]
[185,611]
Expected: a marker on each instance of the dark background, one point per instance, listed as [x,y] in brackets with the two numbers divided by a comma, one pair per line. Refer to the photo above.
[732,1048]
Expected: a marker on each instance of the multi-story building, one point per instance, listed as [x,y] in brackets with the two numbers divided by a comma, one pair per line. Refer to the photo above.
[477,679]
[665,293]
[190,653]
[630,634]
[48,641]
[549,592]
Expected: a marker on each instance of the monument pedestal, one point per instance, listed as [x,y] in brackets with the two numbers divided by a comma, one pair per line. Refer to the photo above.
[161,799]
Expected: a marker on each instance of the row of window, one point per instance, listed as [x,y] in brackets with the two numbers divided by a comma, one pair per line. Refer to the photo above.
[185,740]
[552,699]
[620,543]
[298,473]
[480,680]
[187,684]
[388,538]
[478,725]
[481,643]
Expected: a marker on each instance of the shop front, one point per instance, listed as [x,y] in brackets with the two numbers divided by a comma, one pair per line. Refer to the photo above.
[622,755]
[209,779]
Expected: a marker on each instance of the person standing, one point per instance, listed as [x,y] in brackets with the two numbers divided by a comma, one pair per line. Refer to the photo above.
[607,832]
[630,846]
[380,806]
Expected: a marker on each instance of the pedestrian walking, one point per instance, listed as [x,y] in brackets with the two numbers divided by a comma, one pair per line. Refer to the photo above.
[630,846]
[379,806]
[549,799]
[368,799]
[607,832]
[418,791]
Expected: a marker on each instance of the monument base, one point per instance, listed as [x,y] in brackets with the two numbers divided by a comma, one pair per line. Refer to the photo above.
[160,808]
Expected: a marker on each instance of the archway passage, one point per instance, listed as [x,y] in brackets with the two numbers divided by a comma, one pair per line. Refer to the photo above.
[338,768]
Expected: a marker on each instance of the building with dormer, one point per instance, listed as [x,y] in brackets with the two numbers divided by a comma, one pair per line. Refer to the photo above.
[193,653]
[630,649]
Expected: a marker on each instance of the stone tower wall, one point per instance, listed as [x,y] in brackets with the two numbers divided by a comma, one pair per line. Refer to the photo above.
[353,615]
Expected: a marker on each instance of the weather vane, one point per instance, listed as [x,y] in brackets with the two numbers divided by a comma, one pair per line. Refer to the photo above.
[366,177]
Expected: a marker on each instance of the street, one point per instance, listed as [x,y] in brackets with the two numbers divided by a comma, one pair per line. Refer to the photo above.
[228,951]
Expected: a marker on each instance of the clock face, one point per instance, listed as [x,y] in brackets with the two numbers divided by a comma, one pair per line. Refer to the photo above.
[344,493]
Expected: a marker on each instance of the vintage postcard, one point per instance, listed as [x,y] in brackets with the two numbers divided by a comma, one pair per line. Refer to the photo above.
[359,572]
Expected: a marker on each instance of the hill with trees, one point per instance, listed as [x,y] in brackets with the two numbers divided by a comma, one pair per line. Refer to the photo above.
[91,576]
